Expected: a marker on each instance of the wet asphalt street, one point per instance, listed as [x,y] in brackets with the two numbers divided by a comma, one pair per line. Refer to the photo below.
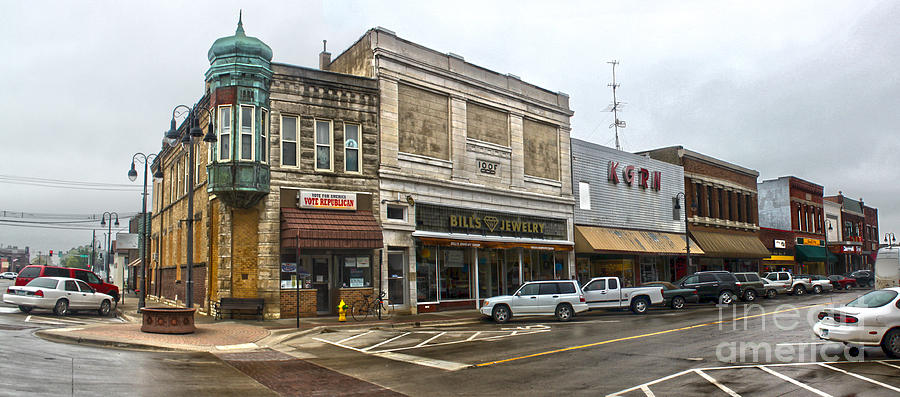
[31,366]
[603,353]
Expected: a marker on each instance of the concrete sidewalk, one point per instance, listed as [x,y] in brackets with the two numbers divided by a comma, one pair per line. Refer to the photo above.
[233,335]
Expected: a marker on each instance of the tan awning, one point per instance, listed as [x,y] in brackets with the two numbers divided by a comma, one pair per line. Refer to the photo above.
[591,239]
[726,245]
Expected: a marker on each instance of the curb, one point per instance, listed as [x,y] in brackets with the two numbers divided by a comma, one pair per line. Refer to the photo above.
[51,336]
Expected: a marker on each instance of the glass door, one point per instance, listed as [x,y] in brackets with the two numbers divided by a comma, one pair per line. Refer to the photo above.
[320,277]
[397,278]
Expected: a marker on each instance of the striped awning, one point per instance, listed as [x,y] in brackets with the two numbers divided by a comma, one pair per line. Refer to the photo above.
[594,239]
[329,229]
[728,245]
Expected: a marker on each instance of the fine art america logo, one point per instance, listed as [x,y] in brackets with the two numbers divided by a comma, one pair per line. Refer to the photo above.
[644,177]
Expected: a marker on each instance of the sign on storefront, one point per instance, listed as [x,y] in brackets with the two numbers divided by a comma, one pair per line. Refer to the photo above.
[849,249]
[809,241]
[327,200]
[631,175]
[780,244]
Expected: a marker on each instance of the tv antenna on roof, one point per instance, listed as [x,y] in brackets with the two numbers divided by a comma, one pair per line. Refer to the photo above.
[615,105]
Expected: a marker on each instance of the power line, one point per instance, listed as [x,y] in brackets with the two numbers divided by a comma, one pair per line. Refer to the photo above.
[66,184]
[59,227]
[64,181]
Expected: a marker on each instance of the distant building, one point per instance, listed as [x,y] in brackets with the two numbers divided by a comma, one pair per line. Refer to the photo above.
[792,226]
[13,259]
[853,228]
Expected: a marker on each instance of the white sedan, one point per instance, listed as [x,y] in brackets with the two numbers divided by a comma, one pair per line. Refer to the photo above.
[60,294]
[870,320]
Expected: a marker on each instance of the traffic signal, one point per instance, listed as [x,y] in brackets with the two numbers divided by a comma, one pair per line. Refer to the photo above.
[51,252]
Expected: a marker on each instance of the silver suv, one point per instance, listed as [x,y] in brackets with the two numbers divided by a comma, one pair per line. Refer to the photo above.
[560,298]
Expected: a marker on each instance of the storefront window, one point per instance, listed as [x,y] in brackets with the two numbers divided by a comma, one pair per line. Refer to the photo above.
[454,275]
[356,271]
[544,265]
[289,271]
[426,275]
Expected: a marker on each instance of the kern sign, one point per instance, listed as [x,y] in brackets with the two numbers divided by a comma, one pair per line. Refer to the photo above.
[325,200]
[632,175]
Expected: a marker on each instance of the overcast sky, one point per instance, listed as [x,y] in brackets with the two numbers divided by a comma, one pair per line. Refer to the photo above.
[804,88]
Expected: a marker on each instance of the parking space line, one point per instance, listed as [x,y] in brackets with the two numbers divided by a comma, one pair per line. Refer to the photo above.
[858,376]
[428,362]
[889,365]
[430,339]
[716,383]
[565,349]
[473,336]
[647,391]
[792,380]
[354,337]
[386,341]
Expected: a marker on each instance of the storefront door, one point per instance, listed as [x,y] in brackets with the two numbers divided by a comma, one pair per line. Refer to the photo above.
[321,276]
[397,291]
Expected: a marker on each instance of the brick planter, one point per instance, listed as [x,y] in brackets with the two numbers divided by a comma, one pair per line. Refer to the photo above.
[164,320]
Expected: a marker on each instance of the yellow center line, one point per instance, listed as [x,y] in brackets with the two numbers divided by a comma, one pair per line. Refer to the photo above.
[641,336]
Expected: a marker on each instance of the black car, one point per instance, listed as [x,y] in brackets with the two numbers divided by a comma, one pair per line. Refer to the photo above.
[864,278]
[751,286]
[715,286]
[674,296]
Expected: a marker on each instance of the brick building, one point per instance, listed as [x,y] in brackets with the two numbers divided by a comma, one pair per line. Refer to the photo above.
[792,226]
[870,235]
[850,247]
[724,218]
[474,174]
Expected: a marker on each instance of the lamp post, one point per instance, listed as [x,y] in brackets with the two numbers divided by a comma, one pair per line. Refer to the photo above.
[687,239]
[827,261]
[145,230]
[191,135]
[108,215]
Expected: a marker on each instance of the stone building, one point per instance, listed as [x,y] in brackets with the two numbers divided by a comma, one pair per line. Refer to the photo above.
[474,175]
[724,218]
[626,221]
[284,200]
[792,226]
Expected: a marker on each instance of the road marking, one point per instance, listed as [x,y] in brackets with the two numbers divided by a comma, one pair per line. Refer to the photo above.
[789,379]
[858,376]
[8,310]
[642,336]
[473,336]
[428,362]
[889,365]
[647,391]
[386,341]
[716,383]
[430,339]
[354,337]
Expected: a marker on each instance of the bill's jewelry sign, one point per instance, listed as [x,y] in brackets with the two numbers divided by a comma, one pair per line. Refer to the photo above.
[443,219]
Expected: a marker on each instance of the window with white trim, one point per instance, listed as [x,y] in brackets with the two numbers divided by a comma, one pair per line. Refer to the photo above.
[324,140]
[247,123]
[263,134]
[224,133]
[289,141]
[396,212]
[352,158]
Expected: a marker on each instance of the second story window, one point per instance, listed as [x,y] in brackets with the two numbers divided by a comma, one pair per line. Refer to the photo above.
[288,141]
[263,134]
[224,133]
[247,132]
[351,148]
[323,145]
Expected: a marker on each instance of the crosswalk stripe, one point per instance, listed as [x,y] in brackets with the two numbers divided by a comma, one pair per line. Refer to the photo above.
[789,379]
[354,337]
[386,341]
[889,365]
[430,339]
[716,383]
[858,376]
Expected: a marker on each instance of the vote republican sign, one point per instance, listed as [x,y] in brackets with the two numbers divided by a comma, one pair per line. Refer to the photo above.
[327,200]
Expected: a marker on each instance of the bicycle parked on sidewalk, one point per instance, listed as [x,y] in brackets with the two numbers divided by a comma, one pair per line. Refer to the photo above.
[377,308]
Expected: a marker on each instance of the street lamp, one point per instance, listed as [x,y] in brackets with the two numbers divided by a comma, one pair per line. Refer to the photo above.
[687,239]
[108,215]
[892,240]
[827,261]
[145,231]
[191,136]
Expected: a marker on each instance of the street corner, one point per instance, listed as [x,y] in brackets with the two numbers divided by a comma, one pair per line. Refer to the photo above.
[207,337]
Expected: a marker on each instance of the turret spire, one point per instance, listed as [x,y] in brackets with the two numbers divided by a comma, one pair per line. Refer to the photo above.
[240,28]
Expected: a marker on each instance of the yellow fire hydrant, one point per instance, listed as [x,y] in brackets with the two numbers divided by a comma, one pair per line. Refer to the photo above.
[342,311]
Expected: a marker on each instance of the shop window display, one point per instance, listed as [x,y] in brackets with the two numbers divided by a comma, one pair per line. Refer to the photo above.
[289,271]
[426,276]
[356,271]
[454,275]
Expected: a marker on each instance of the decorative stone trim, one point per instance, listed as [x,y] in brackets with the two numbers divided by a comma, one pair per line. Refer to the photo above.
[474,145]
[415,158]
[542,181]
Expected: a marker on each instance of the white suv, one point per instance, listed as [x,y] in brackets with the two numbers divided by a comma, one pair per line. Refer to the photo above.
[560,298]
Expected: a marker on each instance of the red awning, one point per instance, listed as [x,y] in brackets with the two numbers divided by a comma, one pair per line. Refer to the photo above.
[329,229]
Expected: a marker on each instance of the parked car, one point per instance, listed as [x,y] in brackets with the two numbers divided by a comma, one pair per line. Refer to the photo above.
[31,272]
[872,319]
[608,293]
[841,282]
[715,286]
[751,286]
[887,268]
[773,288]
[674,296]
[8,275]
[864,278]
[819,283]
[60,294]
[562,298]
[795,285]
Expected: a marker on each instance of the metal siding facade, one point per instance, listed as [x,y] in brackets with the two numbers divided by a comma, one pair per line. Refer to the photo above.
[620,205]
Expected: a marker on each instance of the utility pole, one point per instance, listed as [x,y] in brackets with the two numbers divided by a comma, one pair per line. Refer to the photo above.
[93,242]
[615,105]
